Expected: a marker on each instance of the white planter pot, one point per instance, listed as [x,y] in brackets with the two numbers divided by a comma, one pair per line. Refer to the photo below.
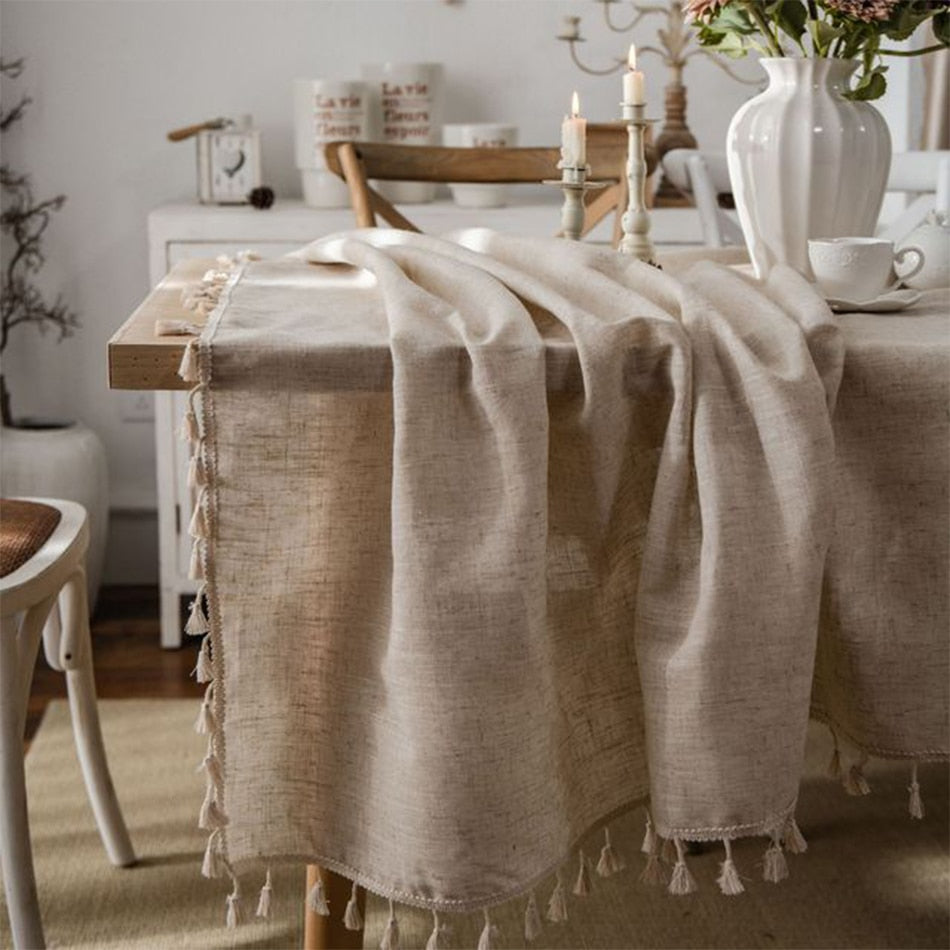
[67,463]
[805,162]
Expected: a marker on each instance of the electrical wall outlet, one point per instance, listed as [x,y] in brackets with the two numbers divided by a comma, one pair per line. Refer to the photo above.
[137,406]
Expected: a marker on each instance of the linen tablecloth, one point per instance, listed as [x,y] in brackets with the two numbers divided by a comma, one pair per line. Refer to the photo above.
[500,537]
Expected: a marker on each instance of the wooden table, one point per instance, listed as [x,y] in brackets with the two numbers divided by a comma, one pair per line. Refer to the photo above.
[138,359]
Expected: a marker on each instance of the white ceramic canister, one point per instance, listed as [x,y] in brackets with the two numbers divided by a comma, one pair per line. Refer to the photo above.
[408,111]
[326,110]
[480,135]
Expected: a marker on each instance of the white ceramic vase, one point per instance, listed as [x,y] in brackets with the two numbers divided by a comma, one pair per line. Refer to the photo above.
[805,162]
[68,462]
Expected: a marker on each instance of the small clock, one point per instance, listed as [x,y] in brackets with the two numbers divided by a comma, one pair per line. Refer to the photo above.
[229,165]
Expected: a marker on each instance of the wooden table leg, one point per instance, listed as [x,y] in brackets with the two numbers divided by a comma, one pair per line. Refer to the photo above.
[329,933]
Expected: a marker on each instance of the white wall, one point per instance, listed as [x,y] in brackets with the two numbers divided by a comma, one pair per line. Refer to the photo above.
[110,78]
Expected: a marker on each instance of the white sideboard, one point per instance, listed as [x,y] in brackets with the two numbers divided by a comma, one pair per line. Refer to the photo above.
[179,231]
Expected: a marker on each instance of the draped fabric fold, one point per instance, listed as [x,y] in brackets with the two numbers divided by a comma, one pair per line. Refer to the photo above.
[504,537]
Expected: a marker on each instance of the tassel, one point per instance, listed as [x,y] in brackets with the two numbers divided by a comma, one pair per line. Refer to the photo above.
[204,724]
[439,930]
[653,872]
[532,919]
[728,880]
[189,431]
[198,526]
[668,853]
[213,864]
[212,767]
[197,624]
[263,902]
[204,669]
[235,910]
[188,369]
[489,935]
[582,884]
[196,569]
[649,837]
[774,868]
[390,939]
[682,881]
[557,905]
[196,472]
[915,805]
[211,816]
[854,782]
[317,899]
[352,918]
[793,839]
[610,861]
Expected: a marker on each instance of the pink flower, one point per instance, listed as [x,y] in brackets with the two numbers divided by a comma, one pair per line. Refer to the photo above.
[697,9]
[866,10]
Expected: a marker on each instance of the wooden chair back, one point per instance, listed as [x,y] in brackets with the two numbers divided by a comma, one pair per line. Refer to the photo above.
[358,162]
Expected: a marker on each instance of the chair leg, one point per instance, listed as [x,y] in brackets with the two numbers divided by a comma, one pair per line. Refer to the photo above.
[76,659]
[16,853]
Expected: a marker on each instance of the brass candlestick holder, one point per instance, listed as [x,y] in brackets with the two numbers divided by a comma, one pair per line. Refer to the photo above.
[635,222]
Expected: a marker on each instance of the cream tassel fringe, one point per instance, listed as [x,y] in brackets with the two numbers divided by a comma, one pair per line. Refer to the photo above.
[211,817]
[682,881]
[197,624]
[774,868]
[610,861]
[204,725]
[213,864]
[668,851]
[198,526]
[204,669]
[649,837]
[653,872]
[729,882]
[793,839]
[582,884]
[436,939]
[488,939]
[317,899]
[390,939]
[196,472]
[188,369]
[854,781]
[557,904]
[196,569]
[915,806]
[263,902]
[352,918]
[235,915]
[532,919]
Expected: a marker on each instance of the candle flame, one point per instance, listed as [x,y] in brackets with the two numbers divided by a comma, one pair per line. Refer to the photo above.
[632,56]
[575,106]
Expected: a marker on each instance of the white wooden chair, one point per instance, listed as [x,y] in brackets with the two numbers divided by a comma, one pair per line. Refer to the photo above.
[43,593]
[705,176]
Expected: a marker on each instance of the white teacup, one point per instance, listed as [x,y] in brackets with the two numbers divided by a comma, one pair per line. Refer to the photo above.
[859,268]
[480,135]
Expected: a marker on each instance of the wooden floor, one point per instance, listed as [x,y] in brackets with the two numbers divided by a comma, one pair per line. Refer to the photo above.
[129,662]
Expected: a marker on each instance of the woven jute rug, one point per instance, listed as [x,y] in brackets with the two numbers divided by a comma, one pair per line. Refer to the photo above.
[872,877]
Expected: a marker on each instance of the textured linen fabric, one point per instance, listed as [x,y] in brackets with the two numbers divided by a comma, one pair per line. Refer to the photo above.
[882,675]
[505,535]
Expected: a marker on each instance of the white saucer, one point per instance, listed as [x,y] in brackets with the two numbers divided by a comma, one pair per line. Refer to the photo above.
[889,302]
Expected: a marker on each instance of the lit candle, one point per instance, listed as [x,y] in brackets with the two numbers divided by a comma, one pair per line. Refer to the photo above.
[633,92]
[574,137]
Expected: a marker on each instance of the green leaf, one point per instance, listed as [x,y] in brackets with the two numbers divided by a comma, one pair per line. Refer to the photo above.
[732,19]
[731,45]
[871,86]
[791,16]
[825,33]
[942,27]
